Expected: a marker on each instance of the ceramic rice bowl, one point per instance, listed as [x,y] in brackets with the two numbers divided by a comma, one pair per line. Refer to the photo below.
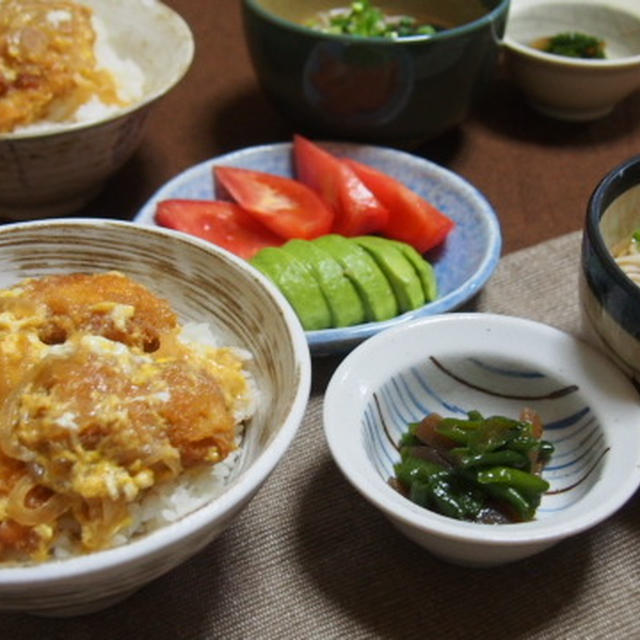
[55,171]
[203,284]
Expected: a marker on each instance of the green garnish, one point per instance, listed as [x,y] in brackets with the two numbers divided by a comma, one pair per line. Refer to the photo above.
[575,45]
[636,236]
[364,20]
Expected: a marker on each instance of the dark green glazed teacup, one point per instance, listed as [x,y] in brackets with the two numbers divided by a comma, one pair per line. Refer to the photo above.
[376,89]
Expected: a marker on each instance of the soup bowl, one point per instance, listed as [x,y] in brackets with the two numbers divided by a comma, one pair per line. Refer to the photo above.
[610,299]
[203,284]
[405,89]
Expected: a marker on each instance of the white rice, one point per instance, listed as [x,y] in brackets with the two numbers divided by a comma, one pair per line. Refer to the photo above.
[128,75]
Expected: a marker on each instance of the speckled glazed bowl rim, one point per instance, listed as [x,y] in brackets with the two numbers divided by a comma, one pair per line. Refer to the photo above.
[361,368]
[189,52]
[446,34]
[225,504]
[613,185]
[584,64]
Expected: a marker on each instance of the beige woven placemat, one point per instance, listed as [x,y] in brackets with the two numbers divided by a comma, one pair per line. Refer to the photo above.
[310,559]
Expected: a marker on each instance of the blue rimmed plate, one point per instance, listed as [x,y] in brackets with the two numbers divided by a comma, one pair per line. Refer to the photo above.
[463,264]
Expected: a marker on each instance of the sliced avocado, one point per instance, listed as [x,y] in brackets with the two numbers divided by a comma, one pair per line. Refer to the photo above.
[400,273]
[423,268]
[297,284]
[371,284]
[344,302]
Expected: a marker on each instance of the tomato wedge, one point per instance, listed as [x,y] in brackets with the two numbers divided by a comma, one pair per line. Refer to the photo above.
[223,223]
[288,208]
[358,211]
[413,220]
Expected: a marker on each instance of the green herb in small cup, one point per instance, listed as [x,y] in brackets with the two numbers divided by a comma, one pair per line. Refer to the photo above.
[573,45]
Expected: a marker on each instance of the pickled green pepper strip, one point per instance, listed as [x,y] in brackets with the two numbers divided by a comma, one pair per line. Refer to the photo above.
[484,434]
[439,492]
[523,481]
[455,431]
[414,469]
[523,507]
[492,458]
[447,502]
[436,493]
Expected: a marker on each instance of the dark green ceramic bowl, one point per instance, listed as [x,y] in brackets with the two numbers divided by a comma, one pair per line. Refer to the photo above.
[375,89]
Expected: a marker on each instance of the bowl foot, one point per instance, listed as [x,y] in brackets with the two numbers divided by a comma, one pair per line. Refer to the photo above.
[572,115]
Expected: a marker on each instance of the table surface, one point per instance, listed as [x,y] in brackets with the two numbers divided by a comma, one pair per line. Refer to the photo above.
[310,559]
[538,173]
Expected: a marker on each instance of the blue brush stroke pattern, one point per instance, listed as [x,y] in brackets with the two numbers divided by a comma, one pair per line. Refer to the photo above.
[580,445]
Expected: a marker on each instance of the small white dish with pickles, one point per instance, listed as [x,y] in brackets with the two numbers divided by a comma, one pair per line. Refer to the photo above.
[493,366]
